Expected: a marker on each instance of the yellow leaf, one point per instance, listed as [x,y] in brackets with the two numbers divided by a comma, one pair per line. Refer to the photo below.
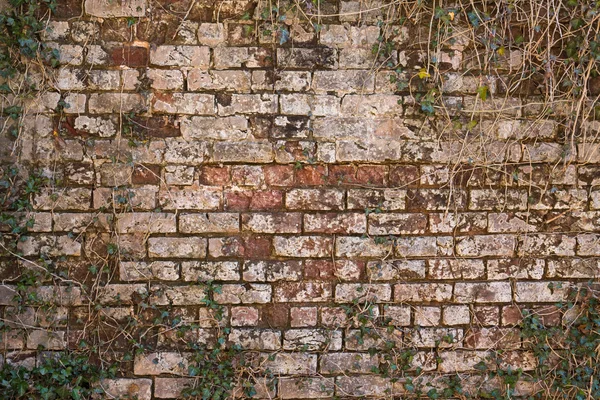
[451,15]
[501,51]
[423,74]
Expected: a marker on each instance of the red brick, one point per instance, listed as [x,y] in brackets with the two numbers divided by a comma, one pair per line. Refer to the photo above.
[131,56]
[341,174]
[279,175]
[253,247]
[275,315]
[311,175]
[159,126]
[372,175]
[146,174]
[240,200]
[214,176]
[319,270]
[244,316]
[404,176]
[303,316]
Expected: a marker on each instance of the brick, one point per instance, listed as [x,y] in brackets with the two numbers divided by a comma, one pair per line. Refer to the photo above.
[397,315]
[397,224]
[574,268]
[456,269]
[480,246]
[490,292]
[493,338]
[303,317]
[53,246]
[181,56]
[146,223]
[66,199]
[356,81]
[209,223]
[546,245]
[254,339]
[541,292]
[183,103]
[272,271]
[251,247]
[456,315]
[312,339]
[291,363]
[211,34]
[160,363]
[422,292]
[238,81]
[247,175]
[140,388]
[210,271]
[171,388]
[350,292]
[131,56]
[518,268]
[465,222]
[104,103]
[384,200]
[249,152]
[312,105]
[247,104]
[144,271]
[244,316]
[121,294]
[272,222]
[190,198]
[245,294]
[48,340]
[427,246]
[108,9]
[459,361]
[306,388]
[362,385]
[352,246]
[335,223]
[223,128]
[314,199]
[391,270]
[165,79]
[303,292]
[297,57]
[242,57]
[303,246]
[242,200]
[181,247]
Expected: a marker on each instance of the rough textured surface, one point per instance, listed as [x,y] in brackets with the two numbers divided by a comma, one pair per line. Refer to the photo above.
[294,176]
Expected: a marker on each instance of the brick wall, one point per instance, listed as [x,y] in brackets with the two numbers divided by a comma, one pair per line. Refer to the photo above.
[199,145]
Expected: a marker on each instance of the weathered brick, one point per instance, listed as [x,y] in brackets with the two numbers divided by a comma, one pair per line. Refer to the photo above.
[312,339]
[306,388]
[238,57]
[223,128]
[272,222]
[350,292]
[479,246]
[140,388]
[160,363]
[144,271]
[209,223]
[490,292]
[272,271]
[422,292]
[245,294]
[181,56]
[210,271]
[184,103]
[397,224]
[389,270]
[456,269]
[303,246]
[108,9]
[181,247]
[238,81]
[255,339]
[541,292]
[314,199]
[190,198]
[303,292]
[335,223]
[146,223]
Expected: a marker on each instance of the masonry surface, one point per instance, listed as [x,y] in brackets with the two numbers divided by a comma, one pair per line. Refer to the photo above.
[200,145]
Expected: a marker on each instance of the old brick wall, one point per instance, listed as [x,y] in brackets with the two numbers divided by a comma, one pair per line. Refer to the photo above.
[197,144]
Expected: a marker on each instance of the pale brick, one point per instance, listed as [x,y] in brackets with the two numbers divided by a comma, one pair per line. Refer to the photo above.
[171,388]
[211,34]
[312,339]
[181,56]
[160,363]
[428,246]
[306,388]
[272,222]
[177,295]
[239,57]
[165,79]
[184,103]
[353,246]
[351,292]
[223,128]
[238,81]
[249,104]
[481,246]
[541,292]
[363,386]
[210,271]
[256,339]
[303,246]
[111,9]
[122,387]
[145,271]
[245,294]
[397,315]
[456,315]
[456,269]
[490,292]
[291,363]
[312,105]
[357,81]
[146,223]
[180,247]
[335,223]
[249,152]
[390,270]
[115,103]
[209,223]
[272,271]
[303,292]
[422,292]
[190,198]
